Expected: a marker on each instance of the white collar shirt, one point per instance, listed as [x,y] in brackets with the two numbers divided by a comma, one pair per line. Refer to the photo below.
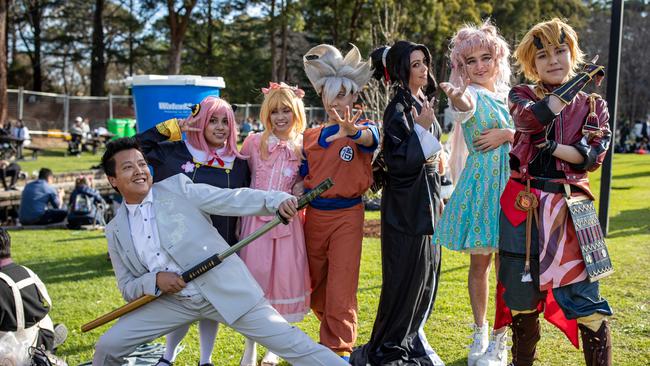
[144,233]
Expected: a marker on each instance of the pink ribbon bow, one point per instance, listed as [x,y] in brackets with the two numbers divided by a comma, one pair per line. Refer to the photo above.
[273,85]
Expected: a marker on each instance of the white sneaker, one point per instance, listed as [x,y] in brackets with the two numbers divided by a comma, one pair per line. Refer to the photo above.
[60,335]
[497,351]
[479,343]
[270,359]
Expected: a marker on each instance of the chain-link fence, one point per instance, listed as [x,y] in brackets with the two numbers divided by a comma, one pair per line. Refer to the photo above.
[48,111]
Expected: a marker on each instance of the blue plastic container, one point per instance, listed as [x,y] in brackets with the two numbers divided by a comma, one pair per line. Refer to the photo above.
[161,97]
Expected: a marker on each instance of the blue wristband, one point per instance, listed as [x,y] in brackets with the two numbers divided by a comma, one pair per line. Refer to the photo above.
[356,136]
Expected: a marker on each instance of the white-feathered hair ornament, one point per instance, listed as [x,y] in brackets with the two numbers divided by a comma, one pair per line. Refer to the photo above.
[328,70]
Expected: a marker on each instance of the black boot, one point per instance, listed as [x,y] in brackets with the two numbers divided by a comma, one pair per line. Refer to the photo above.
[525,335]
[597,346]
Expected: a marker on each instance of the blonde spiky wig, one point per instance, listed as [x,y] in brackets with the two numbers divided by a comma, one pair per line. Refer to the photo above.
[328,71]
[277,97]
[547,35]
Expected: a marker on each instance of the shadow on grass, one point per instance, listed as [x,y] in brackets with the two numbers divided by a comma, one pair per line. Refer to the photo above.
[75,269]
[371,288]
[632,175]
[53,152]
[67,240]
[622,188]
[453,269]
[630,222]
[459,362]
[64,351]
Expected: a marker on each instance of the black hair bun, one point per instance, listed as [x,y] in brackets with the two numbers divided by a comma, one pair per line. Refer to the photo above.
[376,58]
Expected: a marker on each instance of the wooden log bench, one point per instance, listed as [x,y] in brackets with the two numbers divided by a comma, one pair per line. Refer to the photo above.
[10,200]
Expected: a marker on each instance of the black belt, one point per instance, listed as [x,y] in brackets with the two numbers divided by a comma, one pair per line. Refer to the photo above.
[508,254]
[548,186]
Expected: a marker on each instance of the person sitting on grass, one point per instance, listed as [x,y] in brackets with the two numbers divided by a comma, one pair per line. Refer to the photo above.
[36,199]
[11,170]
[24,308]
[86,205]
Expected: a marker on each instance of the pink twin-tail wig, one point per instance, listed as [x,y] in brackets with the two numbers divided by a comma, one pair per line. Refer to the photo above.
[213,106]
[466,41]
[471,38]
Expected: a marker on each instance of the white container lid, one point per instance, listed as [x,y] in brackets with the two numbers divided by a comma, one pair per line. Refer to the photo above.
[196,80]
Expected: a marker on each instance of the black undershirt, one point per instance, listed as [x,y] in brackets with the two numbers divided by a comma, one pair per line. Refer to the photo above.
[544,164]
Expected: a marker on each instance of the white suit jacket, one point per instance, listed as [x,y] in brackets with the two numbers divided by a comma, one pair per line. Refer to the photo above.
[182,210]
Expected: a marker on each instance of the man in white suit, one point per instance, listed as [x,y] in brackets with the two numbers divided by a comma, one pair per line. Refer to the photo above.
[164,229]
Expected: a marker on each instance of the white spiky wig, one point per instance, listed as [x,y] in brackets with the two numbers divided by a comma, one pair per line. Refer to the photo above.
[328,71]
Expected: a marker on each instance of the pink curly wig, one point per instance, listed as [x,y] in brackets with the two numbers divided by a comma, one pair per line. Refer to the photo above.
[471,38]
[212,106]
[466,41]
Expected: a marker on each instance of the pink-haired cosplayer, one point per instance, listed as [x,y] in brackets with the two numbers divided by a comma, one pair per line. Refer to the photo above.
[199,119]
[480,143]
[208,155]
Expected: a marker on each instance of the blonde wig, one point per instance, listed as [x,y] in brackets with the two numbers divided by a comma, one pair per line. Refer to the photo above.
[278,96]
[549,34]
[328,71]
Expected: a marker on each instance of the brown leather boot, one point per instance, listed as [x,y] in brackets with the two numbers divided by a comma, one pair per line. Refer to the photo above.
[525,334]
[597,346]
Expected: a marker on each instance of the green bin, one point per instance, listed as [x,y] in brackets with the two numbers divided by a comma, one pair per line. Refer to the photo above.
[129,129]
[116,126]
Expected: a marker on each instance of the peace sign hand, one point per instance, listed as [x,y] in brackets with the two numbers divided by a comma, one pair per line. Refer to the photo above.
[187,124]
[426,117]
[347,124]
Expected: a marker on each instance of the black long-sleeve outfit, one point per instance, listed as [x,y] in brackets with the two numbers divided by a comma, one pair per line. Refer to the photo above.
[34,306]
[410,263]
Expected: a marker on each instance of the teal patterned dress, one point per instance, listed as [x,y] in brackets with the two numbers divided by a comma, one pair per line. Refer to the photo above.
[470,220]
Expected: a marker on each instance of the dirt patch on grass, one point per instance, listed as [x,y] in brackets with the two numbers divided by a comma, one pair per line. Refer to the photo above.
[371,229]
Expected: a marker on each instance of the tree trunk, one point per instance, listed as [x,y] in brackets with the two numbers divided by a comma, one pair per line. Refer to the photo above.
[282,69]
[35,15]
[97,61]
[356,12]
[130,41]
[335,26]
[274,55]
[178,23]
[14,36]
[3,63]
[209,49]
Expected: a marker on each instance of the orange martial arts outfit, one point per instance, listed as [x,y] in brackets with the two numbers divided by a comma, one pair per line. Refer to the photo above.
[334,230]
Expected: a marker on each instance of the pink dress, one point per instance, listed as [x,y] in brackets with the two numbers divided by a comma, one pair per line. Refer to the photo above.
[277,260]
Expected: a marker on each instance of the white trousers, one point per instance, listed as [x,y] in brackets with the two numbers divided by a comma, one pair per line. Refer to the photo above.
[261,324]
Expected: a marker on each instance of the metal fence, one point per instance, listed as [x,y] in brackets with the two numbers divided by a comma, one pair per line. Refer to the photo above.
[49,111]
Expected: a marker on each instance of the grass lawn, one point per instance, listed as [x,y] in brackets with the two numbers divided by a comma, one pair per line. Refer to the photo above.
[81,282]
[57,160]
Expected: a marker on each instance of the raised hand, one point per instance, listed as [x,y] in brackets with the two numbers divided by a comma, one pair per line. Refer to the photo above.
[426,116]
[455,92]
[347,125]
[188,125]
[595,72]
